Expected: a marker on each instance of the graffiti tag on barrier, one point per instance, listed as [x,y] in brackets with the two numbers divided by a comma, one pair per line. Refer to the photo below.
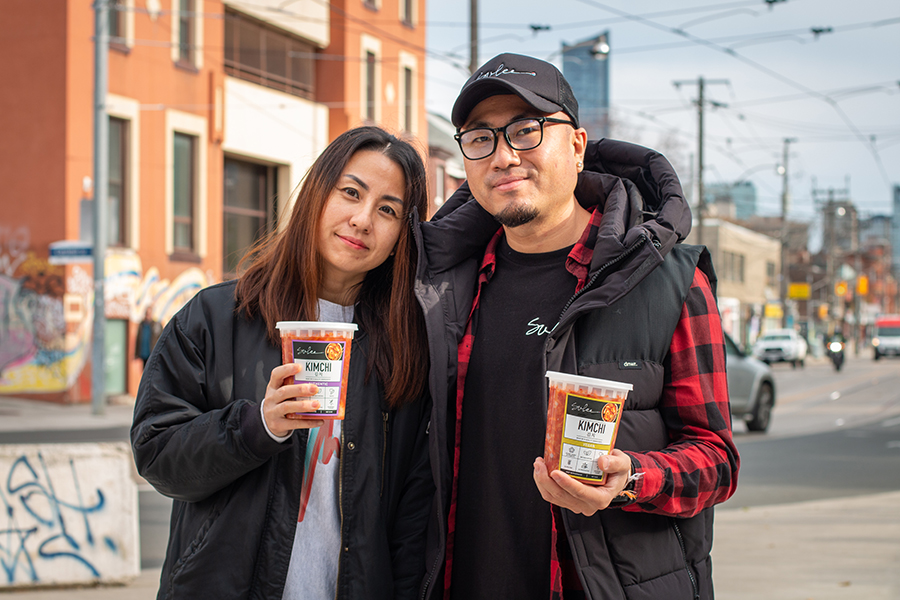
[48,521]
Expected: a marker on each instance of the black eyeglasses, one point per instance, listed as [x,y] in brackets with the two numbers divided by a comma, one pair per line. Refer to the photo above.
[521,134]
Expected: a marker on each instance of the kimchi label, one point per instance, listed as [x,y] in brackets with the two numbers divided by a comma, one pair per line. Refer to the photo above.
[322,364]
[589,432]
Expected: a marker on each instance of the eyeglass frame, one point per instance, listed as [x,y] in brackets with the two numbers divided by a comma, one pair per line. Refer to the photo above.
[495,130]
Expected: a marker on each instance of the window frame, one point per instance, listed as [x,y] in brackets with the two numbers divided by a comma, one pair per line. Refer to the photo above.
[268,210]
[197,127]
[370,45]
[407,113]
[122,12]
[193,18]
[129,110]
[123,145]
[408,11]
[261,74]
[191,200]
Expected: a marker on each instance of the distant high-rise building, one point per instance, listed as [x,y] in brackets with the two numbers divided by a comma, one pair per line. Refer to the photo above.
[586,68]
[732,200]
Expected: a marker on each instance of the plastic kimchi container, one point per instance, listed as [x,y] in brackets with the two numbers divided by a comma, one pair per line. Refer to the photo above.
[323,350]
[582,422]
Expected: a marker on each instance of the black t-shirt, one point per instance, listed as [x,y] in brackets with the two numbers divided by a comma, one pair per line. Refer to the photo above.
[503,526]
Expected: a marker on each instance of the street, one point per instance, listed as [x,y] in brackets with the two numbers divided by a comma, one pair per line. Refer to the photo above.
[833,434]
[817,511]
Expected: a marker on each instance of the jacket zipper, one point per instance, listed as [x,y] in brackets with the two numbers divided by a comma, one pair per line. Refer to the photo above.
[384,417]
[615,260]
[687,567]
[431,573]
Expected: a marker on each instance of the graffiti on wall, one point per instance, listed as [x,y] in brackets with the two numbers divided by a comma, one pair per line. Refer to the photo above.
[14,243]
[46,311]
[37,348]
[64,516]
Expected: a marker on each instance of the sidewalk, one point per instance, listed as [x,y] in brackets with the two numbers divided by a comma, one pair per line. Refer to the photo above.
[843,549]
[18,415]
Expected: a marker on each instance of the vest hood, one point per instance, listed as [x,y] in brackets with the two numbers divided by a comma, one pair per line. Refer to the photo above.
[636,187]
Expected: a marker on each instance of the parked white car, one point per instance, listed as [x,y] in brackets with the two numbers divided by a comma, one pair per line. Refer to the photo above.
[781,345]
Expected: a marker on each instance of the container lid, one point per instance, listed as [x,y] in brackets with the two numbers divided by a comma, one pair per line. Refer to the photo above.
[588,381]
[314,325]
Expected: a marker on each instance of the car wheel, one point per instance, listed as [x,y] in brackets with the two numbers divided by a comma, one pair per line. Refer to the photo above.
[762,412]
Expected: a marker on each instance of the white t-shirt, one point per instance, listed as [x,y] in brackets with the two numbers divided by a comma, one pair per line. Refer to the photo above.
[313,571]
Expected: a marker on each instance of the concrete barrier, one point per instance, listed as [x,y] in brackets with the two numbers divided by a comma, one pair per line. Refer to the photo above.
[69,515]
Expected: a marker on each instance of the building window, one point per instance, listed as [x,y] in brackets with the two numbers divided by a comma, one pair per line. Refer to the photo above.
[183,192]
[770,274]
[249,209]
[268,57]
[406,12]
[732,267]
[406,107]
[120,16]
[372,4]
[116,16]
[186,40]
[407,99]
[118,184]
[370,86]
[187,34]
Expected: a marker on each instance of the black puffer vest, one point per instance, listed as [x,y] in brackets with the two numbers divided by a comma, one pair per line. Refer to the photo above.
[636,556]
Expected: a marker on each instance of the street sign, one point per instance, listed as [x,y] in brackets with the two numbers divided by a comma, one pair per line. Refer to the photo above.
[68,252]
[773,311]
[799,291]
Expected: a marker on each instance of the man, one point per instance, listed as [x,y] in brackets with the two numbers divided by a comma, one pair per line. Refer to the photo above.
[148,334]
[583,276]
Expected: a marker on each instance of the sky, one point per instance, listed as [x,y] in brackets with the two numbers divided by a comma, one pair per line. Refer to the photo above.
[835,94]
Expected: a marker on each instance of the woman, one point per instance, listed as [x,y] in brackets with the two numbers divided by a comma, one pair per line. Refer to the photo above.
[265,505]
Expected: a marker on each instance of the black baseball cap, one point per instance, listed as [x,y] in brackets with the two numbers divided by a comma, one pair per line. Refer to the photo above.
[535,81]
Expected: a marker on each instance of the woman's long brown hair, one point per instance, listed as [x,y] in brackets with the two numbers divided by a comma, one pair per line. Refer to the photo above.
[284,271]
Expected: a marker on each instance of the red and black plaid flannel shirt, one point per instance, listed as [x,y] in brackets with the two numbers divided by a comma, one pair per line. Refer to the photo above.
[674,483]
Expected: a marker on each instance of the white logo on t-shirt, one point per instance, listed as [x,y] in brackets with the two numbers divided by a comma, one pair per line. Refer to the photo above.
[535,328]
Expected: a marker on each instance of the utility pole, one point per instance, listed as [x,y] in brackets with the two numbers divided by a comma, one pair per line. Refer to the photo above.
[701,102]
[829,241]
[785,199]
[101,165]
[473,36]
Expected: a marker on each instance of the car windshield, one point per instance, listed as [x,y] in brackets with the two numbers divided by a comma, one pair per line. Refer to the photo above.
[889,331]
[776,337]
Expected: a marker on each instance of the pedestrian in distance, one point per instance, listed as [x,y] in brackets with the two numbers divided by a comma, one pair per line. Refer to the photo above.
[268,505]
[563,254]
[148,334]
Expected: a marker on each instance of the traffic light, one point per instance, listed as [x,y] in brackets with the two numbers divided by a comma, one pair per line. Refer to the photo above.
[840,289]
[862,285]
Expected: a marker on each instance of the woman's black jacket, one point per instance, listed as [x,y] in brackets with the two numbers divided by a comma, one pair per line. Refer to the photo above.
[198,437]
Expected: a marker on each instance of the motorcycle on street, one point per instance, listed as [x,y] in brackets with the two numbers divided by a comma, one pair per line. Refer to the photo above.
[836,353]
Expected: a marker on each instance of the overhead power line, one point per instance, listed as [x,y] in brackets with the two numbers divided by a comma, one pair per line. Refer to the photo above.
[763,69]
